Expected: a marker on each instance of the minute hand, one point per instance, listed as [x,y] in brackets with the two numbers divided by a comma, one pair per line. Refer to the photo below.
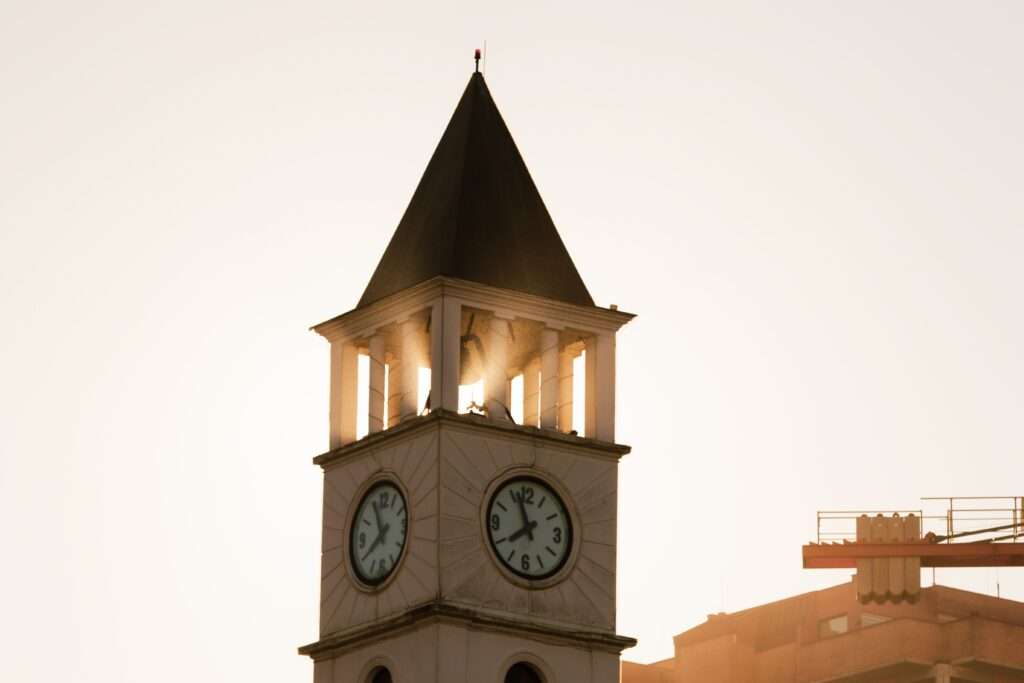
[376,513]
[526,520]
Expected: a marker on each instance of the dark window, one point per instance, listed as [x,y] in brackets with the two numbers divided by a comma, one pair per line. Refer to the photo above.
[522,673]
[380,675]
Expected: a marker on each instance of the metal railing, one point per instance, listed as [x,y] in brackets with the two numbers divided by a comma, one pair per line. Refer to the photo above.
[965,518]
[837,526]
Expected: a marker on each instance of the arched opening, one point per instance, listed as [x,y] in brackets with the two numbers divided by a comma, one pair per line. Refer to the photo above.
[522,672]
[380,675]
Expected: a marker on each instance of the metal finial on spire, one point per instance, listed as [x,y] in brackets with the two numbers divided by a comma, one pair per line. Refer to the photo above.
[476,57]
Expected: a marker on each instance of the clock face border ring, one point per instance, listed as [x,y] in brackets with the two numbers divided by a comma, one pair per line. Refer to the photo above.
[533,479]
[546,478]
[382,476]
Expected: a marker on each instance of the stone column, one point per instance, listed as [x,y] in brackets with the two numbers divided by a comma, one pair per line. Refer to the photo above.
[565,391]
[531,393]
[590,389]
[344,383]
[549,379]
[376,407]
[604,389]
[445,354]
[394,390]
[496,381]
[410,369]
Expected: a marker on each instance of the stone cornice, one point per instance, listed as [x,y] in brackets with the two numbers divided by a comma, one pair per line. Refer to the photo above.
[592,447]
[438,612]
[360,322]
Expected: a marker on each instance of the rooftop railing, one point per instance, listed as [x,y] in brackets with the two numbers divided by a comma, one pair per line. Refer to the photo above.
[945,519]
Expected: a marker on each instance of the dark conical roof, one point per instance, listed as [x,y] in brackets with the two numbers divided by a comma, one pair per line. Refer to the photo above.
[476,215]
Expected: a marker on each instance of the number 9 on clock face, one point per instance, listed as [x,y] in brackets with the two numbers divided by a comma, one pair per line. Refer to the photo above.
[529,528]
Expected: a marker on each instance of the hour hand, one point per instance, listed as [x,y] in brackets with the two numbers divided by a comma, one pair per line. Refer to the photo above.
[377,541]
[528,529]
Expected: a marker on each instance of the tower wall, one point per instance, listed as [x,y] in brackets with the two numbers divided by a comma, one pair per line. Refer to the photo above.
[455,653]
[446,465]
[410,458]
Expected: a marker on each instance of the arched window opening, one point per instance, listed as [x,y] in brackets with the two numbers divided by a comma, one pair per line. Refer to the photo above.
[380,675]
[523,673]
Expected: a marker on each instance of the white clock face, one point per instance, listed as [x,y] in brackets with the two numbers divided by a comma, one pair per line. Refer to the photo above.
[378,533]
[529,528]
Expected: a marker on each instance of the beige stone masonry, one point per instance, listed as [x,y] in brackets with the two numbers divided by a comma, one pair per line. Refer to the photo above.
[445,463]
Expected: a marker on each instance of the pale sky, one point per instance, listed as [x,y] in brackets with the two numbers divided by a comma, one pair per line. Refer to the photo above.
[815,209]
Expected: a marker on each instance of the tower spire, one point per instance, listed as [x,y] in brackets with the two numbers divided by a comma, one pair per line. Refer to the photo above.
[476,215]
[476,58]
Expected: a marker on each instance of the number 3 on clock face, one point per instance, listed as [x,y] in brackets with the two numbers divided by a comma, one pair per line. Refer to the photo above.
[529,528]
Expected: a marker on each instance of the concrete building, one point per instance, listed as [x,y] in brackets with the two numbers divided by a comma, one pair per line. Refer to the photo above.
[460,544]
[946,636]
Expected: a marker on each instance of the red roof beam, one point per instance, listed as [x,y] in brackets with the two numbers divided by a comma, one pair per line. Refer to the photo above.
[845,555]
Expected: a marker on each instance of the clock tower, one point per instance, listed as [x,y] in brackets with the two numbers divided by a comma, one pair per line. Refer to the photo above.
[469,535]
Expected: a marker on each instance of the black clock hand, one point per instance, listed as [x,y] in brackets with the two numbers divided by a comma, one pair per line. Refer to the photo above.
[382,527]
[526,520]
[376,513]
[528,529]
[377,541]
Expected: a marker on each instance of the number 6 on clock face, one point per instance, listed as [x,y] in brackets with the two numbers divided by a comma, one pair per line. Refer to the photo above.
[529,528]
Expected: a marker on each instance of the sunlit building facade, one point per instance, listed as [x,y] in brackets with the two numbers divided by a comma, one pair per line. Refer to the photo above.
[947,636]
